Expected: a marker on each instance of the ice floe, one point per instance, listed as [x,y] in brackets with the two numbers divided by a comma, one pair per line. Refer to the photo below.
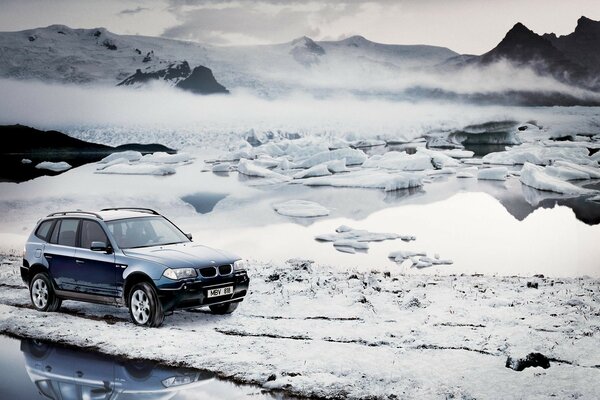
[54,166]
[352,156]
[540,155]
[317,170]
[301,209]
[221,167]
[249,168]
[346,236]
[137,169]
[493,173]
[400,161]
[368,179]
[129,155]
[166,158]
[537,177]
[469,172]
[26,161]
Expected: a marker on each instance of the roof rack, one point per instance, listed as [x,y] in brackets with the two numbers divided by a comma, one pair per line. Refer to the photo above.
[140,209]
[74,212]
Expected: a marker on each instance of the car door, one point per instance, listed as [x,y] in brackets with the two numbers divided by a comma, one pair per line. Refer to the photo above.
[98,267]
[60,254]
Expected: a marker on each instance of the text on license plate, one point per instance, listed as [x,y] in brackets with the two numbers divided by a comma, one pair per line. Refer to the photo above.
[222,291]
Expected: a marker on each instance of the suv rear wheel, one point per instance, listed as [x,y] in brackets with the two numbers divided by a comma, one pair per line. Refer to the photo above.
[225,308]
[42,294]
[145,307]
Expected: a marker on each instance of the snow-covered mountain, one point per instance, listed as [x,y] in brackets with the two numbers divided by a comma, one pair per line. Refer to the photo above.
[61,54]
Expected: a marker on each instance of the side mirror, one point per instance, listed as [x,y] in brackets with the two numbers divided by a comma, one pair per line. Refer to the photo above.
[189,236]
[100,246]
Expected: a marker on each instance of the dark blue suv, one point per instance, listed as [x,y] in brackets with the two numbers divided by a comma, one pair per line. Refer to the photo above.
[128,256]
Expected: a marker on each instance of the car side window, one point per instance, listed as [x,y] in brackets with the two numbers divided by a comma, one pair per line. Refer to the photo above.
[67,232]
[54,237]
[92,232]
[43,231]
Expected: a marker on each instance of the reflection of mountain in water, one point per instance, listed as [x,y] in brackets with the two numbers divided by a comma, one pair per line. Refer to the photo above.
[67,373]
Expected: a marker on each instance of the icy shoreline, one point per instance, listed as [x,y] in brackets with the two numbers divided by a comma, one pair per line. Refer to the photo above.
[314,331]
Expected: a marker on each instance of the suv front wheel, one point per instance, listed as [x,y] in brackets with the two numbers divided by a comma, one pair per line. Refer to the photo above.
[42,294]
[145,307]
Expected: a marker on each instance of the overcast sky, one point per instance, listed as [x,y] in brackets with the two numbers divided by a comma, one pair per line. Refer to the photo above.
[466,26]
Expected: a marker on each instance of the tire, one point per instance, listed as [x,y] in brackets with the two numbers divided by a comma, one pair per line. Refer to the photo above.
[41,293]
[145,307]
[139,369]
[225,308]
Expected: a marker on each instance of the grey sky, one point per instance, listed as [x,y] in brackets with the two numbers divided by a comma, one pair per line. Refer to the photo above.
[466,26]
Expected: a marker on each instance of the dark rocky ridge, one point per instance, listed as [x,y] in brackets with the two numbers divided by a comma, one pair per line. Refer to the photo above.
[200,80]
[563,58]
[38,146]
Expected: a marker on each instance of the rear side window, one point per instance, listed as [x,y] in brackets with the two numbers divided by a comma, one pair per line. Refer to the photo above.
[67,232]
[92,232]
[43,231]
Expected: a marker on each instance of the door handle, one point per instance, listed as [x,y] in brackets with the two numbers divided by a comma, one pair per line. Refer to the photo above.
[80,261]
[48,256]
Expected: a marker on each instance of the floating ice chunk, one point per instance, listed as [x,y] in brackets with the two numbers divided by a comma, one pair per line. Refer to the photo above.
[595,198]
[425,262]
[473,161]
[343,228]
[536,177]
[539,155]
[267,161]
[467,173]
[161,157]
[301,209]
[284,164]
[459,153]
[363,143]
[115,161]
[593,172]
[26,161]
[247,167]
[317,170]
[568,143]
[137,169]
[54,166]
[221,167]
[338,143]
[400,161]
[360,235]
[443,171]
[337,166]
[234,155]
[401,255]
[345,249]
[493,173]
[438,159]
[352,156]
[368,179]
[129,155]
[355,244]
[566,173]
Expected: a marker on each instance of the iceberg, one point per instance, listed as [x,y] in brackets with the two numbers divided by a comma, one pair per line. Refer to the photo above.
[493,173]
[352,156]
[368,179]
[248,168]
[54,166]
[129,155]
[301,209]
[537,178]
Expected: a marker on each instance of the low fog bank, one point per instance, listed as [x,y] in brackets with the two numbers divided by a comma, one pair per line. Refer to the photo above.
[172,117]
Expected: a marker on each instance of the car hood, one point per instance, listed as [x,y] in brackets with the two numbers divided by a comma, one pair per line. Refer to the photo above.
[183,255]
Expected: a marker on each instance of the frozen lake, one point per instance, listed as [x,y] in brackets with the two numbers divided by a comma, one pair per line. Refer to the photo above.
[487,227]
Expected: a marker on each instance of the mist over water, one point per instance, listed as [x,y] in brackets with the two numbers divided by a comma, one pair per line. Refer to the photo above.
[118,115]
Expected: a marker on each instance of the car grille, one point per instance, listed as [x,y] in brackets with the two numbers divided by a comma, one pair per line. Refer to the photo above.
[225,269]
[210,272]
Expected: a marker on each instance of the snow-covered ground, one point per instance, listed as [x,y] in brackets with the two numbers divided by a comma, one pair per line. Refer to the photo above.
[312,330]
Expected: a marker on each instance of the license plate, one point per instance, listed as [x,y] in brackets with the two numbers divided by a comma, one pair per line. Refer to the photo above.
[222,291]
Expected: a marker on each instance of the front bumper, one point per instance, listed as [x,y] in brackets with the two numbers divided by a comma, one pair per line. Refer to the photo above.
[193,293]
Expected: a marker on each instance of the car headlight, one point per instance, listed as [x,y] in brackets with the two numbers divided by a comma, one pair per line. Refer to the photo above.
[179,380]
[180,273]
[240,265]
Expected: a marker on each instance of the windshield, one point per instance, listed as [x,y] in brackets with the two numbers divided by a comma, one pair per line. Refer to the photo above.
[144,232]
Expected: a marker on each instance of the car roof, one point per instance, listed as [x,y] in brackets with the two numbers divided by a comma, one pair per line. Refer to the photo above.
[105,215]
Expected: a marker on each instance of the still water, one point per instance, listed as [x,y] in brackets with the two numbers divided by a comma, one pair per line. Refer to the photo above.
[31,369]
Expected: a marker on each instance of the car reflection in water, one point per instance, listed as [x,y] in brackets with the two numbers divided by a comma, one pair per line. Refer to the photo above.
[63,373]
